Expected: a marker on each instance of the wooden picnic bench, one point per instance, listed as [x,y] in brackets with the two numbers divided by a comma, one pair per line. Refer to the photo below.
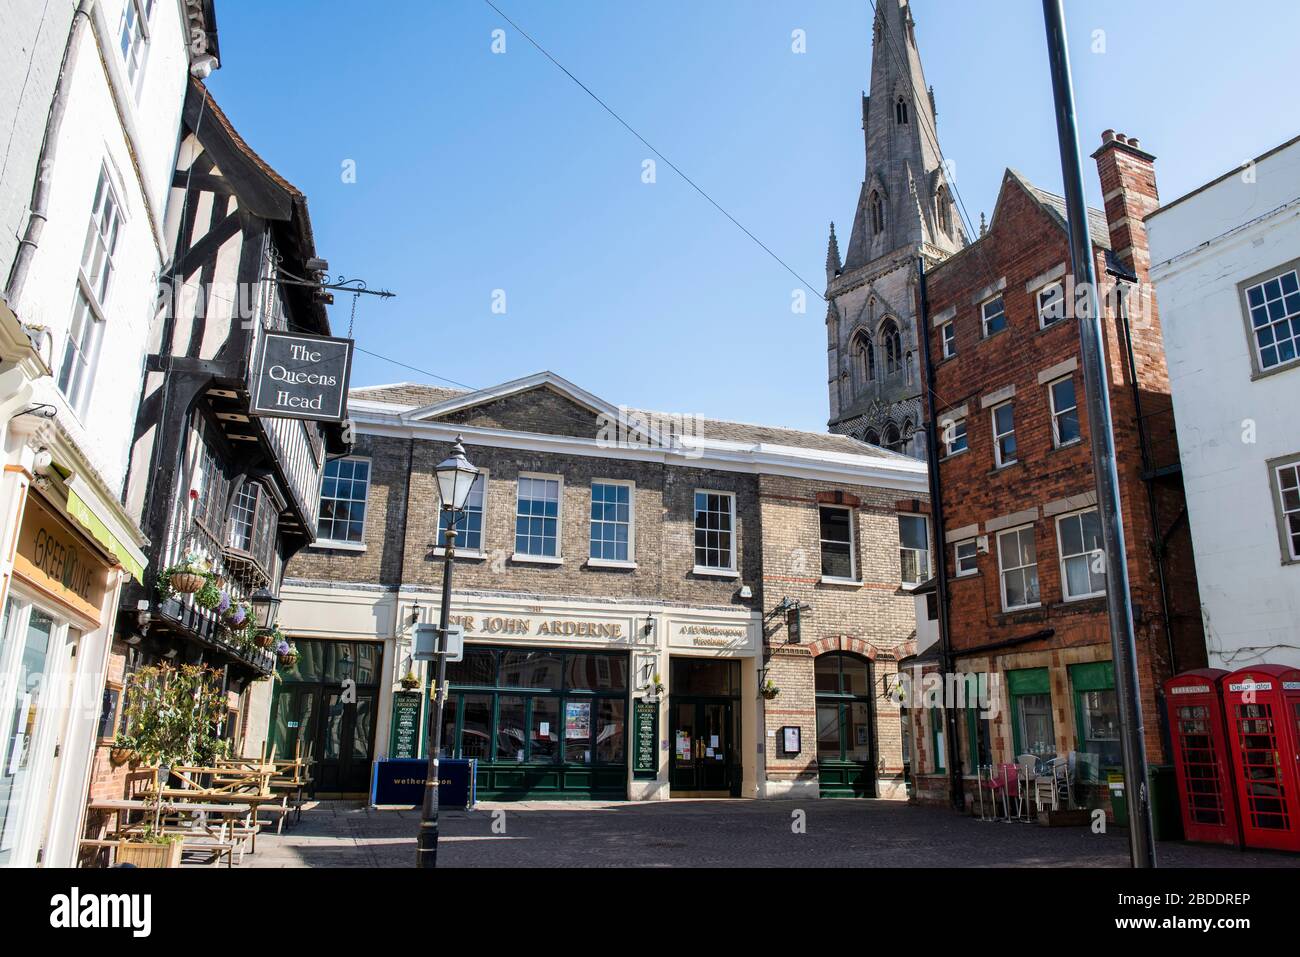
[235,824]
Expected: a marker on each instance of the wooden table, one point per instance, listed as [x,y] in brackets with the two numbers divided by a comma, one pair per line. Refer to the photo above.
[197,812]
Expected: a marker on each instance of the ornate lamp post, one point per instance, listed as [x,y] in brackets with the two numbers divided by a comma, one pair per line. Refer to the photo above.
[456,476]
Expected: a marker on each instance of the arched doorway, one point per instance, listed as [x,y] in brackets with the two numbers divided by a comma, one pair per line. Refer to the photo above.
[846,734]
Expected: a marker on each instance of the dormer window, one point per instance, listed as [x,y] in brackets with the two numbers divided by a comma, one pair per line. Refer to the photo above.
[900,111]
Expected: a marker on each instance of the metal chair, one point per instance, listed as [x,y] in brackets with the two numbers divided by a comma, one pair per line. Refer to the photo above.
[1053,784]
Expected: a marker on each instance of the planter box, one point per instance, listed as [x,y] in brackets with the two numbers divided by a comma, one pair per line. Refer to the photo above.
[142,854]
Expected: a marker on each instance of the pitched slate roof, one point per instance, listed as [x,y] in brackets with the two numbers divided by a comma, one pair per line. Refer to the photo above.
[413,395]
[1055,206]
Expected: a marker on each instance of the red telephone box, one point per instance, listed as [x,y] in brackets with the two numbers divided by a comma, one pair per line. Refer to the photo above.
[1206,788]
[1262,707]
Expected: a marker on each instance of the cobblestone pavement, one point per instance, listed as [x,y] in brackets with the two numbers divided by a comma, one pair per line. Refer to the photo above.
[702,833]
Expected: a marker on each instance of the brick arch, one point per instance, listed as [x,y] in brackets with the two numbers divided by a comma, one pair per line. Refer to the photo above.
[847,643]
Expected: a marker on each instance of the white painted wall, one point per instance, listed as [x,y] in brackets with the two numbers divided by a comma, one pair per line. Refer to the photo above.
[135,135]
[1201,249]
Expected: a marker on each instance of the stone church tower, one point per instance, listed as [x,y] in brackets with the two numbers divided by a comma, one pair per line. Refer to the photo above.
[905,210]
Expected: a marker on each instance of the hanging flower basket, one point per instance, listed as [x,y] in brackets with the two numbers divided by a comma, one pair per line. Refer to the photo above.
[286,654]
[410,682]
[769,690]
[187,583]
[264,639]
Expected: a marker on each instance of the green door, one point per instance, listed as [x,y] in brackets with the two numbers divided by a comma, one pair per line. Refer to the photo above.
[846,745]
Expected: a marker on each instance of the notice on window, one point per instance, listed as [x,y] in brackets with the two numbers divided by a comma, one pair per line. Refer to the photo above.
[683,745]
[544,729]
[577,720]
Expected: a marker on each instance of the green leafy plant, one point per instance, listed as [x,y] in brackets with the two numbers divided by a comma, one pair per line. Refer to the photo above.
[172,714]
[191,564]
[209,596]
[769,689]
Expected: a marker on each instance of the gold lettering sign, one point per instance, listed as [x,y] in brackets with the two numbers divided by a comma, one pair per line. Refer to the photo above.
[55,559]
[505,625]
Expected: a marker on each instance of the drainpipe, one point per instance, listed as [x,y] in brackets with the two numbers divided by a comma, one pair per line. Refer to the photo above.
[946,663]
[39,206]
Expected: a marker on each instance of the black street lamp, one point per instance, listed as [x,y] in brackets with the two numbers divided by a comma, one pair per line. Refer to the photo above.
[456,476]
[265,608]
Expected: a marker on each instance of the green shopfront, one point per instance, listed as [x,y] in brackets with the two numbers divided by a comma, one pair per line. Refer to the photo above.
[325,708]
[543,723]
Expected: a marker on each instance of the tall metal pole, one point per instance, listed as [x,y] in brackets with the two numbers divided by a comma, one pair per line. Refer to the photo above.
[427,843]
[1096,389]
[947,663]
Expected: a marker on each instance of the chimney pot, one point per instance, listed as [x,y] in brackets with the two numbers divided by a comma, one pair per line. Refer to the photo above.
[1133,142]
[1121,137]
[1107,136]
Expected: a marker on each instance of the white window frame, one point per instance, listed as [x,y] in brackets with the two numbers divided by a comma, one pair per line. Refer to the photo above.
[1002,572]
[630,562]
[440,549]
[1257,350]
[1290,550]
[948,339]
[105,190]
[1043,321]
[344,545]
[1061,556]
[984,315]
[81,378]
[958,571]
[731,570]
[558,557]
[998,460]
[1057,413]
[928,570]
[139,42]
[948,450]
[855,578]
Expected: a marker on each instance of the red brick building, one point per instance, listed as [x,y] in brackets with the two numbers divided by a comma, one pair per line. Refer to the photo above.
[1021,544]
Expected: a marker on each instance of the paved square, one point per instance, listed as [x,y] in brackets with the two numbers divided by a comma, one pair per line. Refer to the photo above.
[703,833]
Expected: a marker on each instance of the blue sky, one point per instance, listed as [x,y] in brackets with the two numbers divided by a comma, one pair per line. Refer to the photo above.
[478,172]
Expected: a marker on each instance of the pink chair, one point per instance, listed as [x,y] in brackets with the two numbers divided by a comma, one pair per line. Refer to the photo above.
[1004,781]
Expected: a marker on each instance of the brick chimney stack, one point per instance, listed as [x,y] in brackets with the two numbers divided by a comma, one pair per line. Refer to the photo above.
[1128,187]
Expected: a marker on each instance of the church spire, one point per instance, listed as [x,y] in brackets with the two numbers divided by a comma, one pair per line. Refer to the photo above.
[905,200]
[832,256]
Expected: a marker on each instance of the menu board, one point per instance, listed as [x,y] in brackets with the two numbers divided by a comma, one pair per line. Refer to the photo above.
[645,739]
[405,739]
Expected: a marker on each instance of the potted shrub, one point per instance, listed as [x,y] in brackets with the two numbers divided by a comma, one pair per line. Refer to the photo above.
[769,689]
[409,681]
[172,713]
[150,850]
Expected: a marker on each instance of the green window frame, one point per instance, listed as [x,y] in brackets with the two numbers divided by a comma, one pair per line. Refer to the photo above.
[1088,683]
[854,712]
[978,731]
[490,674]
[1028,683]
[937,732]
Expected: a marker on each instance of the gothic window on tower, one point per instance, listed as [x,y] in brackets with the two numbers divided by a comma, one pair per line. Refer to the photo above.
[864,359]
[877,214]
[891,343]
[892,439]
[900,111]
[945,213]
[871,438]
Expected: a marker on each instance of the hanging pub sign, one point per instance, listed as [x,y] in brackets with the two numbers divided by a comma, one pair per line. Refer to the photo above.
[301,376]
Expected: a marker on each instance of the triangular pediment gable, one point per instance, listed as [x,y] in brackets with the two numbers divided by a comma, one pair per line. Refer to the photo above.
[544,403]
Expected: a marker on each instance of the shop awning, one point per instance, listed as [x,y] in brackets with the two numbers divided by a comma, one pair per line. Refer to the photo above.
[130,557]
